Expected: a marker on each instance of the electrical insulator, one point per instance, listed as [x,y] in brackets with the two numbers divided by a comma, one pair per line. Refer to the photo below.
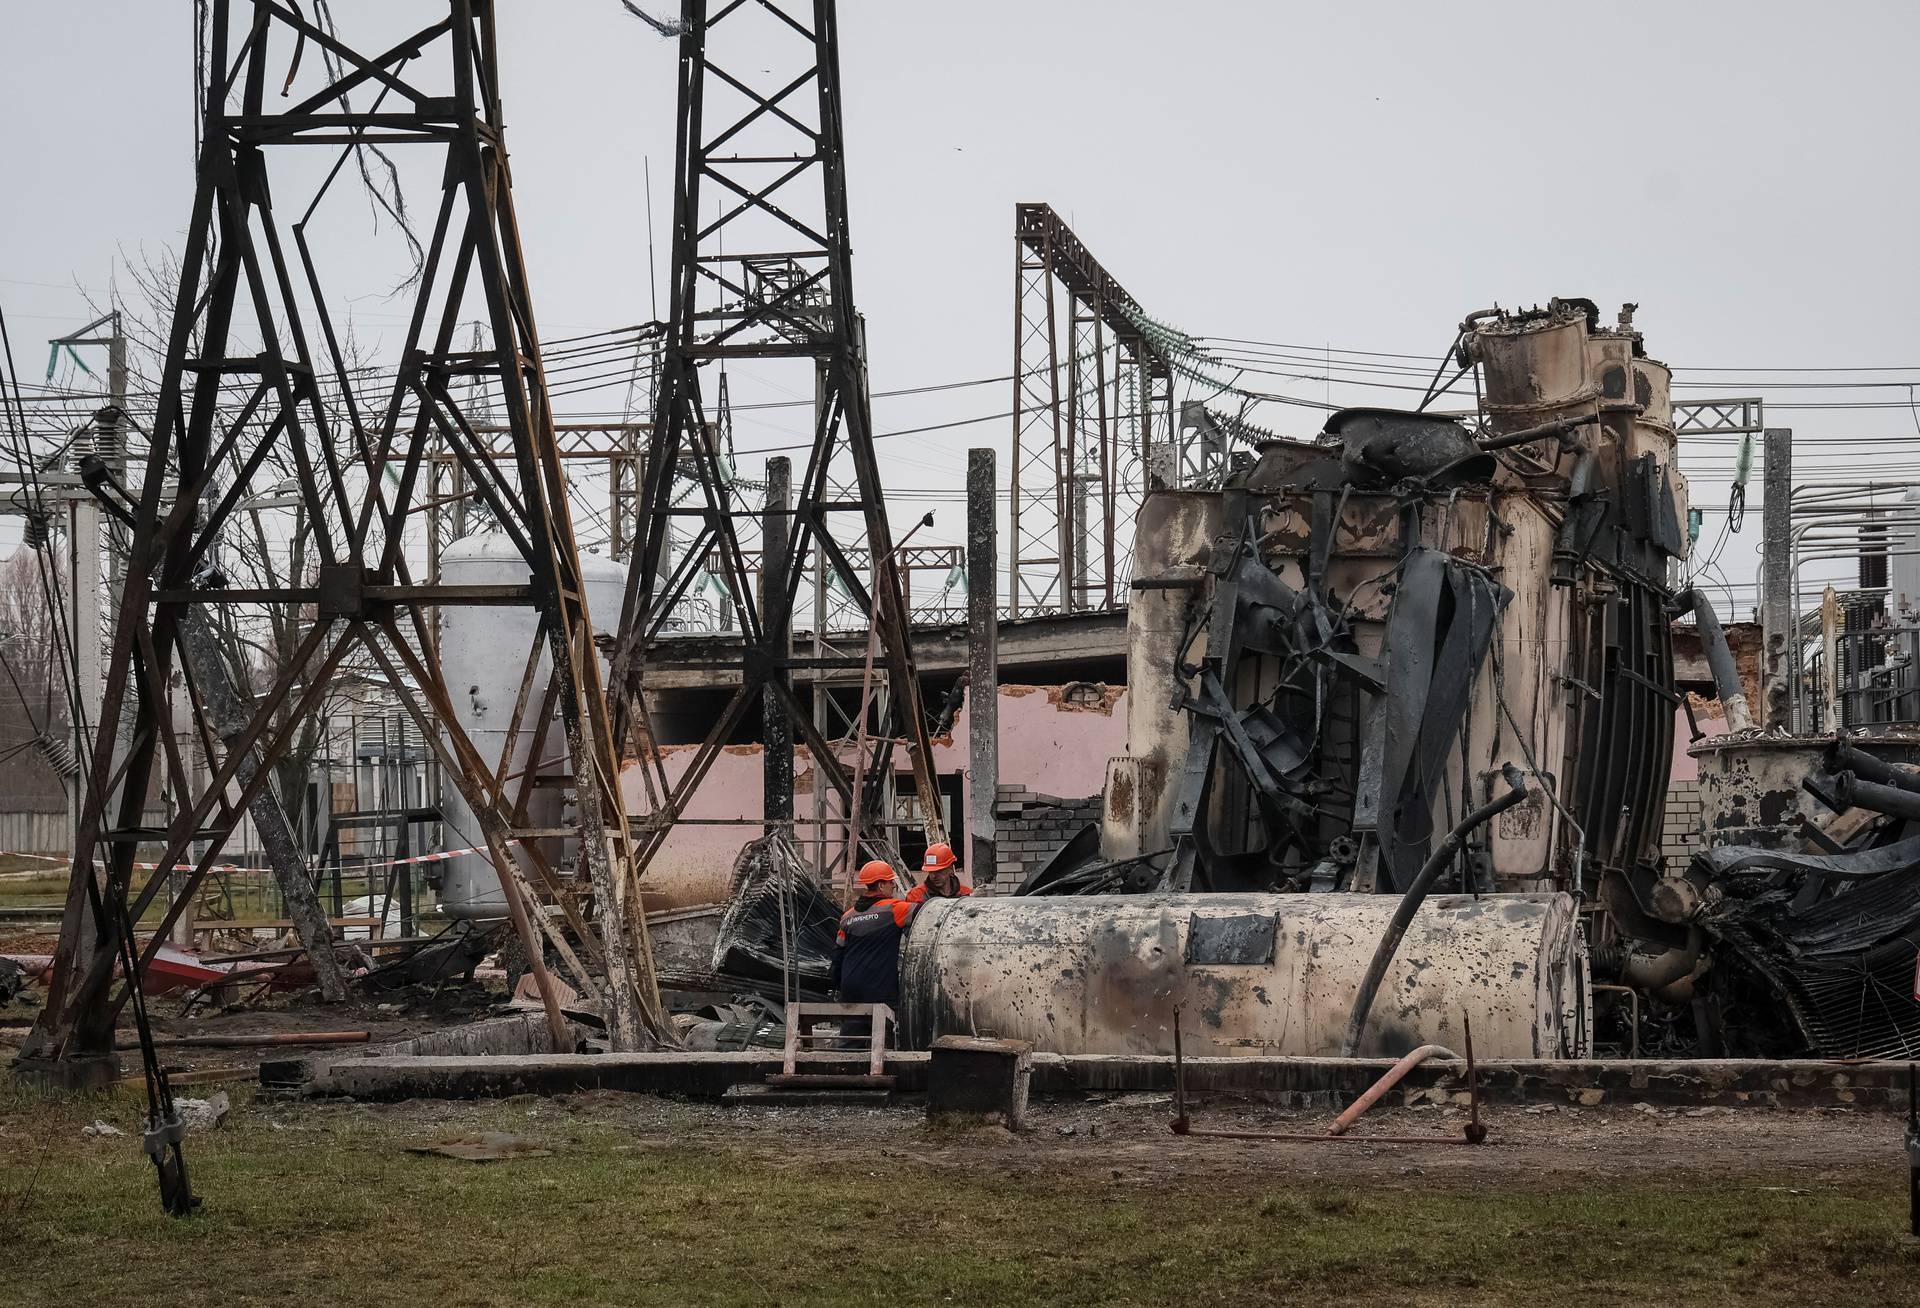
[36,534]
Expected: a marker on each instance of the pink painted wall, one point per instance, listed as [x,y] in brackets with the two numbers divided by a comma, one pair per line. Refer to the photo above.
[1047,745]
[1685,766]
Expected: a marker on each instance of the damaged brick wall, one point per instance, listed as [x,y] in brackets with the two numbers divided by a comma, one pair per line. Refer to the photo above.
[1032,827]
[1680,837]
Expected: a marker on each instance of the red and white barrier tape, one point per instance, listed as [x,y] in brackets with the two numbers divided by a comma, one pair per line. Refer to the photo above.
[235,867]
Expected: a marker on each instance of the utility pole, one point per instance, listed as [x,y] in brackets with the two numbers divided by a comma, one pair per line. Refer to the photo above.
[1780,642]
[94,547]
[983,665]
[777,727]
[84,549]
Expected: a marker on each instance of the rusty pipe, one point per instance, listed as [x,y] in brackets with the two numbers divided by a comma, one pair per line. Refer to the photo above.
[249,1041]
[1726,673]
[1416,894]
[1560,427]
[1394,1075]
[1463,343]
[1475,1133]
[1301,1137]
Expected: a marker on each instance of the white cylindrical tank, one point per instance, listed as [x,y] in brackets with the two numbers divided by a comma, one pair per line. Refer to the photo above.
[1256,973]
[483,653]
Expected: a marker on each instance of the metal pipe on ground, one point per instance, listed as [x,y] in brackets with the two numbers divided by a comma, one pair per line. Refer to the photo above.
[1475,1133]
[1437,862]
[1392,1078]
[255,1040]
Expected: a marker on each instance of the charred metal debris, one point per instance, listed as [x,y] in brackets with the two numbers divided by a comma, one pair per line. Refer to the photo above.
[1359,640]
[1356,634]
[1819,914]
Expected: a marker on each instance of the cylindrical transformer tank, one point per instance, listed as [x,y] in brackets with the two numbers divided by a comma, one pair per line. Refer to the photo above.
[483,653]
[1750,791]
[1250,973]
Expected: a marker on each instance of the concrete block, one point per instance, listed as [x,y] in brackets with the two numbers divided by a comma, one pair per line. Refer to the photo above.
[977,1079]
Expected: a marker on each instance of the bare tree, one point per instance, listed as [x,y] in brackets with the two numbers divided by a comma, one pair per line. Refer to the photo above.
[30,666]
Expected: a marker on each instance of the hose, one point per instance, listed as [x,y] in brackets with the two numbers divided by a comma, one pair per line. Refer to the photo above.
[1416,894]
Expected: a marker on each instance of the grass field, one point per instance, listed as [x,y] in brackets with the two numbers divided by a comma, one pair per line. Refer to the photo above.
[32,891]
[250,896]
[323,1205]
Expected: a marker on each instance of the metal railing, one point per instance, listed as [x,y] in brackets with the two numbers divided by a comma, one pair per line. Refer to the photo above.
[1864,677]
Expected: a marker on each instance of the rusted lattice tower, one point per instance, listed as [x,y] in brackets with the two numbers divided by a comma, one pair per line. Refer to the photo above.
[1092,420]
[762,271]
[255,377]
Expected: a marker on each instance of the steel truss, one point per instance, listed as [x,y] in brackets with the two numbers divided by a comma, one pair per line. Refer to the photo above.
[1093,422]
[767,277]
[224,410]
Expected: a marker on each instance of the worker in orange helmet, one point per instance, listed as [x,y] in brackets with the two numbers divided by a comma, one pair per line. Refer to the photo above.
[866,955]
[940,876]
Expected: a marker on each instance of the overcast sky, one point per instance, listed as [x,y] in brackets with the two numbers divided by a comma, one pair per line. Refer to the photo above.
[1356,176]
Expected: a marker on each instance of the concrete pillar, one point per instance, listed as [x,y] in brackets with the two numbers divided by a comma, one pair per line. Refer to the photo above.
[85,545]
[777,734]
[983,663]
[1778,661]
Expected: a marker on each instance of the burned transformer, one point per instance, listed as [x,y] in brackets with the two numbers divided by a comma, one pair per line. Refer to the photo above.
[1401,722]
[1426,657]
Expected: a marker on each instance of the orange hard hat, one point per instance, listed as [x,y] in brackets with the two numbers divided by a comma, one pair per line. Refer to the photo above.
[876,872]
[939,858]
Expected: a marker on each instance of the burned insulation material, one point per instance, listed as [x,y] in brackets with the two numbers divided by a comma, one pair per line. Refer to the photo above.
[1844,964]
[777,921]
[1339,650]
[1833,932]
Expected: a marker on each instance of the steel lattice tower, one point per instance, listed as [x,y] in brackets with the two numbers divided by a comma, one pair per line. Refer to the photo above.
[254,367]
[764,272]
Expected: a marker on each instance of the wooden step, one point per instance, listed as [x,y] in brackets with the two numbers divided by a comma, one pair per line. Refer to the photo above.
[828,1081]
[772,1096]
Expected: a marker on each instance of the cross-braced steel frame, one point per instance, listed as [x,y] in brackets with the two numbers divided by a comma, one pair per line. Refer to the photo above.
[1092,421]
[764,272]
[255,376]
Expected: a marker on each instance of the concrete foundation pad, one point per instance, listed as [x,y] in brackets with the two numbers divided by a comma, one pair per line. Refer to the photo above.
[512,1033]
[705,1076]
[1729,1083]
[1800,1083]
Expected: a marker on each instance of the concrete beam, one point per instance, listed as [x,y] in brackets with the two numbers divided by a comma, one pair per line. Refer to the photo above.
[1034,651]
[1730,1083]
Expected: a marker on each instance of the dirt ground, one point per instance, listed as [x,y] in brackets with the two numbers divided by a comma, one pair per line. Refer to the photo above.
[629,1199]
[1531,1145]
[1125,1139]
[1096,1201]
